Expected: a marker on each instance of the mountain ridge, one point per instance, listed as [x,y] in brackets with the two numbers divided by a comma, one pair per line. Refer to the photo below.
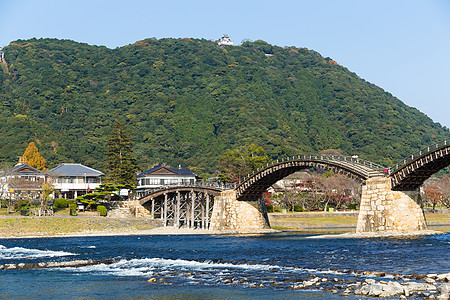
[187,101]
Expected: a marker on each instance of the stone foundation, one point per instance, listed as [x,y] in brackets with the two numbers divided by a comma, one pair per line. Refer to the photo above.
[382,209]
[129,209]
[230,214]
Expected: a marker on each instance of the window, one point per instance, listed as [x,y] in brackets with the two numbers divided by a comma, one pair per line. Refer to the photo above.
[92,179]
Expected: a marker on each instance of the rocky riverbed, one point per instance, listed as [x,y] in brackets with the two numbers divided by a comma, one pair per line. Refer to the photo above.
[430,286]
[54,264]
[364,283]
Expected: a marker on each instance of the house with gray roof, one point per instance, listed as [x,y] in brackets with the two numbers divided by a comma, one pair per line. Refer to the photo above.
[21,182]
[161,175]
[73,180]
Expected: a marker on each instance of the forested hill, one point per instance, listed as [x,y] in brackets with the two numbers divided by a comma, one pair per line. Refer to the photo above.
[186,101]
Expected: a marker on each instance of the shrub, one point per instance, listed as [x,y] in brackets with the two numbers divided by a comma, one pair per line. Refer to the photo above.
[21,204]
[102,210]
[277,209]
[298,208]
[351,206]
[72,205]
[269,208]
[61,203]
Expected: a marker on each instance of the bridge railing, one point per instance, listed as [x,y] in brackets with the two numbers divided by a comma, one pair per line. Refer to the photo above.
[402,163]
[325,158]
[198,184]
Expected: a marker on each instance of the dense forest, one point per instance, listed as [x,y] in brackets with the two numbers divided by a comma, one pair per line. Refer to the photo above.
[187,101]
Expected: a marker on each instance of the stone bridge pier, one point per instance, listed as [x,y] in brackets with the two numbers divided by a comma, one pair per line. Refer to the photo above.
[241,216]
[383,209]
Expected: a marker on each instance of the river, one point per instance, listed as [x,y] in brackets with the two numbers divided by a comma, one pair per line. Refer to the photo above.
[212,266]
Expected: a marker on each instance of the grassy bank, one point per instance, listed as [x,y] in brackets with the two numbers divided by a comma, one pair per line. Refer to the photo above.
[320,220]
[438,218]
[59,225]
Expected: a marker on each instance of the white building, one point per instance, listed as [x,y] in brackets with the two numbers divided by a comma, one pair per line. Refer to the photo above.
[2,55]
[161,176]
[21,182]
[73,180]
[225,41]
[299,181]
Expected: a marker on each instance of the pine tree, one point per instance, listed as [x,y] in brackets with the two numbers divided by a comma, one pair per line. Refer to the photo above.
[121,164]
[33,158]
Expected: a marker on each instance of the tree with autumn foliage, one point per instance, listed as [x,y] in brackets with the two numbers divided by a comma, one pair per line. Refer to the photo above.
[432,195]
[33,158]
[436,191]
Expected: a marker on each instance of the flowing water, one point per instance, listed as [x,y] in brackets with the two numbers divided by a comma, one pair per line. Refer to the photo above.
[212,266]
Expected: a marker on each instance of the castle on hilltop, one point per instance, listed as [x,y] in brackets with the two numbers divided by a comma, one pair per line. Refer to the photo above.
[225,41]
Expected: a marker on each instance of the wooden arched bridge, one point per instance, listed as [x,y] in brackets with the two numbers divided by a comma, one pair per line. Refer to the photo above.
[256,183]
[410,173]
[188,205]
[194,205]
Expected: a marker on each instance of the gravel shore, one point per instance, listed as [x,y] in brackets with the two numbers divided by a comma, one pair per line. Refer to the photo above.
[383,234]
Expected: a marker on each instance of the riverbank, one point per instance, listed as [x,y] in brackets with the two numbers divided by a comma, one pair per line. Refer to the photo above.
[11,227]
[379,234]
[68,226]
[338,221]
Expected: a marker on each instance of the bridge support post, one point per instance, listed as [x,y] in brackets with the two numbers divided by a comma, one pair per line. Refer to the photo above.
[153,208]
[177,210]
[165,209]
[241,216]
[382,209]
[207,212]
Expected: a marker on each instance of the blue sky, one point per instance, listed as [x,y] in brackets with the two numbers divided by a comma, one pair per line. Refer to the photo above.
[402,46]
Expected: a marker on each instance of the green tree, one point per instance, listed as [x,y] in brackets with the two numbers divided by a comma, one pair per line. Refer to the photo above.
[121,164]
[104,193]
[238,162]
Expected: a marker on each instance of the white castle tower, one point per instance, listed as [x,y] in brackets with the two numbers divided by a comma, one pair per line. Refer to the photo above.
[225,41]
[2,55]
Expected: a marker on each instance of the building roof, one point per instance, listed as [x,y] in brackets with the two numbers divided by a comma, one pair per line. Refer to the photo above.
[74,170]
[162,170]
[24,168]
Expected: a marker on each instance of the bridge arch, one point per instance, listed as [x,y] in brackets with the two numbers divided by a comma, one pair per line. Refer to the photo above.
[182,206]
[253,185]
[411,172]
[179,189]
